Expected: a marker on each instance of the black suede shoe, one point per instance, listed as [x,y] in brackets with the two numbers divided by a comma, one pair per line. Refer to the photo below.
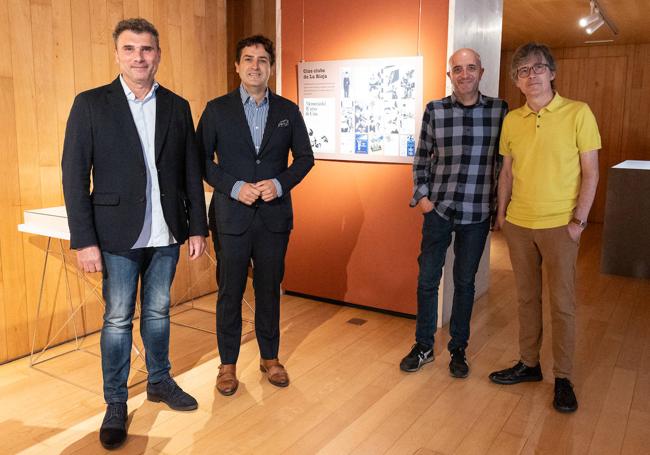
[171,394]
[458,366]
[516,374]
[564,400]
[112,433]
[418,356]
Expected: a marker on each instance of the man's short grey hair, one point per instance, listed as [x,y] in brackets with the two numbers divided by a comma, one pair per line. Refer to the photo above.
[135,25]
[528,50]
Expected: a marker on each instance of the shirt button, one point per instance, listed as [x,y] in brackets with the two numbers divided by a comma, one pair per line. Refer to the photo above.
[258,161]
[142,199]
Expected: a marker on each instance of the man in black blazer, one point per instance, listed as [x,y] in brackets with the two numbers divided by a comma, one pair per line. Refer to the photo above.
[251,131]
[136,140]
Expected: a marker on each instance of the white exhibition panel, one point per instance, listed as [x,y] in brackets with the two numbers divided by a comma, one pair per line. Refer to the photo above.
[363,109]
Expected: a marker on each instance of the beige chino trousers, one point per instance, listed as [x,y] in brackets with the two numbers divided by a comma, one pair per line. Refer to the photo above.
[553,248]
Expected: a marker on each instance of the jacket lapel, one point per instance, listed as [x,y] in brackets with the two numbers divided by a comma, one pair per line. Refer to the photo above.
[271,121]
[124,118]
[239,117]
[163,117]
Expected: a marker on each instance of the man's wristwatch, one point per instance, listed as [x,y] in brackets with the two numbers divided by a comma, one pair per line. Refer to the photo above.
[579,222]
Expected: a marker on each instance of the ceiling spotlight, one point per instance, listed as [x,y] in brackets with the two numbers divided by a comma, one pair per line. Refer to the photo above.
[593,17]
[595,26]
[596,18]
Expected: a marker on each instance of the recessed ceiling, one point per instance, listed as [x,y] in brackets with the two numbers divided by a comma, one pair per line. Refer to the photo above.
[555,22]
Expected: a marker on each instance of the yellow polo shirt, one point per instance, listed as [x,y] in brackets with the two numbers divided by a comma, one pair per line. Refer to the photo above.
[545,148]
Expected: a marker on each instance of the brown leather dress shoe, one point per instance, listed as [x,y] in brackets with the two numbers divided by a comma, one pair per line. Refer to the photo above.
[275,371]
[227,382]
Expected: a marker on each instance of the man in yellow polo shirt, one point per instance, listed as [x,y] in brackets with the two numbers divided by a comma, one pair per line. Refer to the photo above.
[546,188]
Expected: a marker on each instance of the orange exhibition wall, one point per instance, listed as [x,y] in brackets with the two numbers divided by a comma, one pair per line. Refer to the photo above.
[356,239]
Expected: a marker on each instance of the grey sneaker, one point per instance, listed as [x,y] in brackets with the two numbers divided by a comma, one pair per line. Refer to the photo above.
[458,366]
[419,355]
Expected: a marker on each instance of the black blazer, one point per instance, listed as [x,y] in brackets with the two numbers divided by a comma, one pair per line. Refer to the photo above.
[101,138]
[223,130]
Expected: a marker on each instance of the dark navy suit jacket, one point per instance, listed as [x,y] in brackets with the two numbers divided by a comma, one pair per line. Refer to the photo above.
[223,132]
[101,140]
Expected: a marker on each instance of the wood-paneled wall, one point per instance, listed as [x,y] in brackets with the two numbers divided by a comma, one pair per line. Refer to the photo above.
[51,50]
[615,82]
[246,18]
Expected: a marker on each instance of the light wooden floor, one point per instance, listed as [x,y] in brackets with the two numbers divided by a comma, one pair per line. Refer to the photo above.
[347,393]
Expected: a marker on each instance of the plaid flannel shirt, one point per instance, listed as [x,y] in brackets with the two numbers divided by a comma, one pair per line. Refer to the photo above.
[458,159]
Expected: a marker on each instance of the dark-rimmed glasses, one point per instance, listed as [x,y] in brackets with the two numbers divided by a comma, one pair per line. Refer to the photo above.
[537,68]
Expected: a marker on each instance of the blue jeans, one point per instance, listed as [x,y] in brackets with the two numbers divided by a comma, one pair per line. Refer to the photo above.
[468,248]
[156,267]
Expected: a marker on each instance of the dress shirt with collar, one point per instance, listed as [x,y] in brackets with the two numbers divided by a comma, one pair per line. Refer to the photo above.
[455,165]
[155,231]
[256,115]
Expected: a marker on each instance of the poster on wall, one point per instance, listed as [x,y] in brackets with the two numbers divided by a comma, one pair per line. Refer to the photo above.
[364,109]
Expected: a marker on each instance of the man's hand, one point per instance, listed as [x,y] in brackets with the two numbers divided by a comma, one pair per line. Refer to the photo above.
[499,222]
[89,259]
[196,246]
[248,194]
[267,189]
[575,231]
[425,205]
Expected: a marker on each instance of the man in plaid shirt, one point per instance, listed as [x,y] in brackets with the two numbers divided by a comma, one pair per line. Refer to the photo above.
[454,173]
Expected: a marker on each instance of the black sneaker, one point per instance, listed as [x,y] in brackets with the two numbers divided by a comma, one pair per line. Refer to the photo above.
[171,394]
[112,433]
[418,356]
[564,400]
[516,374]
[458,366]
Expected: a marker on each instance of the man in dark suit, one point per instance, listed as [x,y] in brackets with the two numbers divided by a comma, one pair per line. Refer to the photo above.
[251,131]
[137,140]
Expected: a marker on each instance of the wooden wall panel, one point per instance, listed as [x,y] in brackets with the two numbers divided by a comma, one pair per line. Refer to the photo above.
[12,277]
[615,81]
[245,18]
[636,133]
[51,50]
[597,81]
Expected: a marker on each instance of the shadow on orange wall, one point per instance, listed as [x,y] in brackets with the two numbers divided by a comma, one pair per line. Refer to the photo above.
[355,238]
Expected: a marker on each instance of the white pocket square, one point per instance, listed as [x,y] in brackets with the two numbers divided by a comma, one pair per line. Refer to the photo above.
[283,123]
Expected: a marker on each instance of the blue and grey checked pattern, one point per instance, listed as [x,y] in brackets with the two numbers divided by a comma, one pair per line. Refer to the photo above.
[456,161]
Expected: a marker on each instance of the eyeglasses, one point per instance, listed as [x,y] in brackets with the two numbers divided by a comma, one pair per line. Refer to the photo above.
[537,68]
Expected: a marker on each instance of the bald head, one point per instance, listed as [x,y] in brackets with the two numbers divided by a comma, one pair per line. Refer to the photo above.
[465,72]
[465,52]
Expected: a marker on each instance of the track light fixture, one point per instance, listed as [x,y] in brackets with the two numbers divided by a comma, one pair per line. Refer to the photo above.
[596,19]
[593,17]
[595,26]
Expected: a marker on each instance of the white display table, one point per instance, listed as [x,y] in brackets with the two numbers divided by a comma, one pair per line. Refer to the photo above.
[52,222]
